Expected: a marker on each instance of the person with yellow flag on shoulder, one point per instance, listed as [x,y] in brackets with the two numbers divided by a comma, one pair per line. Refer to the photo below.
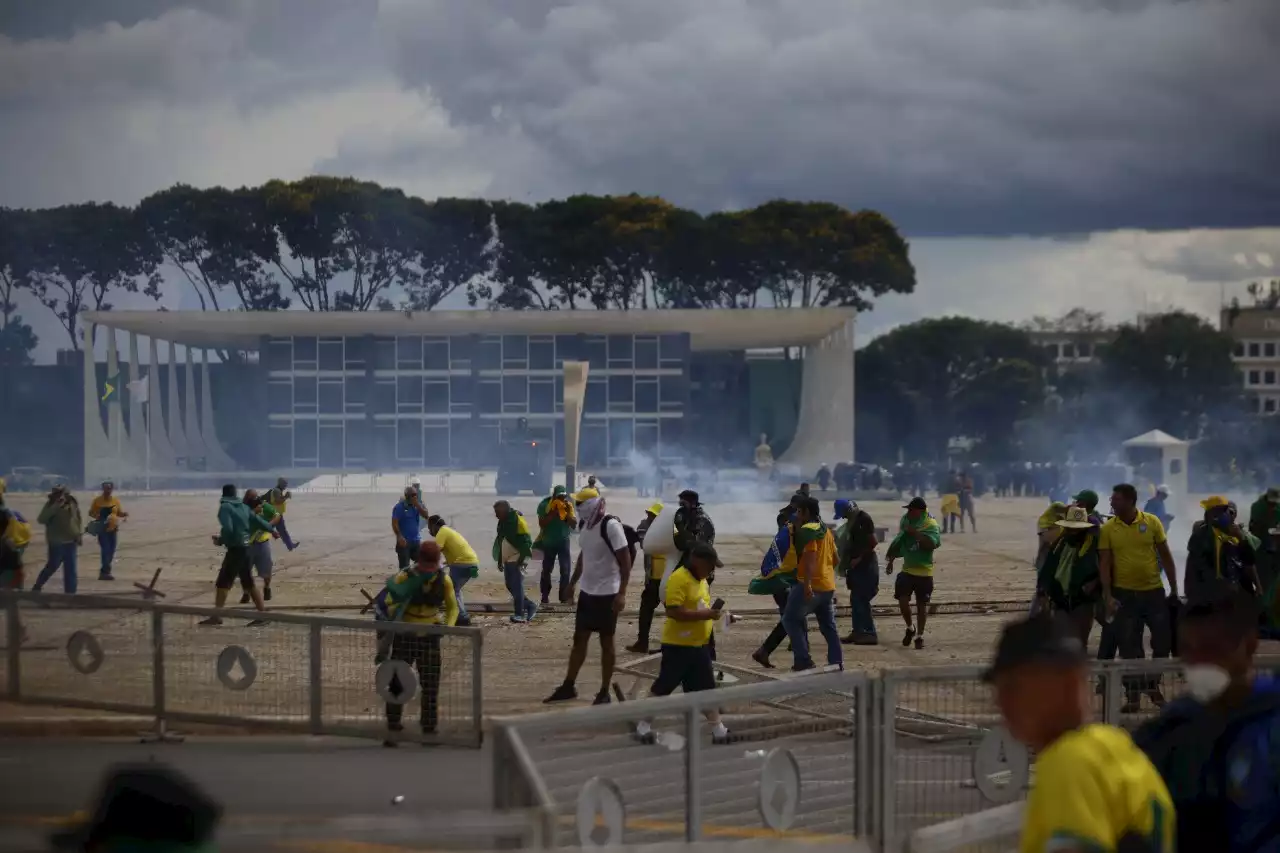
[815,588]
[556,521]
[1218,551]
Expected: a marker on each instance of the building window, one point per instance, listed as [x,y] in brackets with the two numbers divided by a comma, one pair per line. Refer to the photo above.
[408,353]
[384,353]
[1254,378]
[435,398]
[621,351]
[1068,350]
[435,446]
[568,348]
[1239,350]
[646,395]
[542,397]
[356,389]
[489,397]
[331,357]
[621,390]
[1269,405]
[435,354]
[408,394]
[305,447]
[542,353]
[331,398]
[384,397]
[280,354]
[1269,349]
[515,393]
[489,353]
[461,350]
[304,391]
[1254,349]
[621,438]
[646,353]
[356,353]
[409,441]
[280,441]
[596,351]
[280,398]
[331,446]
[515,352]
[597,395]
[304,354]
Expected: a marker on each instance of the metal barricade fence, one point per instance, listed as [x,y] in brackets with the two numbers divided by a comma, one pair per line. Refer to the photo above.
[293,672]
[788,769]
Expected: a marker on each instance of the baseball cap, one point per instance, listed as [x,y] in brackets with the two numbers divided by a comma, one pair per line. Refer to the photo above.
[917,503]
[1273,495]
[586,495]
[1214,501]
[1039,640]
[689,495]
[1087,498]
[706,552]
[842,506]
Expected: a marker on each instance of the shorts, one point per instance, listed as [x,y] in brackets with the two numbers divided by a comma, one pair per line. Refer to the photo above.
[260,558]
[686,667]
[595,615]
[236,566]
[905,585]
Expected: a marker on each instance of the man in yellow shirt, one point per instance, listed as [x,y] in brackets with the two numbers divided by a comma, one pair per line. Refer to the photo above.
[686,633]
[422,595]
[1132,548]
[459,556]
[1095,791]
[815,588]
[105,514]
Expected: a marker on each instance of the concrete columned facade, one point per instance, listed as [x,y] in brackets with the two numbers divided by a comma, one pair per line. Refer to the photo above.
[392,390]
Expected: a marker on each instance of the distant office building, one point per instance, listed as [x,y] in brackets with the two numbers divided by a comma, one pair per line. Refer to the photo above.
[1256,331]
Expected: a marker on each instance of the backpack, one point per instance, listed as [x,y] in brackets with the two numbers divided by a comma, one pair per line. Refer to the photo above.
[18,533]
[633,538]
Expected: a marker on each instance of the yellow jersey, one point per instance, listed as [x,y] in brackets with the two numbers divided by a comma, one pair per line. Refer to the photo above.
[424,608]
[816,538]
[1134,564]
[684,590]
[456,550]
[111,506]
[1093,788]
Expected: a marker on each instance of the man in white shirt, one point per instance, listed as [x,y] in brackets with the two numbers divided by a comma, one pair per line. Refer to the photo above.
[603,569]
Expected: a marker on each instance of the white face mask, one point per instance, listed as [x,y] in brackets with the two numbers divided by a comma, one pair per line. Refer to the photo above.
[1206,682]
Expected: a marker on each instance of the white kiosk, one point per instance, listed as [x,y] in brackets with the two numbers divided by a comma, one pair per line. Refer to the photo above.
[1159,457]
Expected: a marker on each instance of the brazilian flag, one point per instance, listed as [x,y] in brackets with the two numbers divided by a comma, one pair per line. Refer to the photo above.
[110,387]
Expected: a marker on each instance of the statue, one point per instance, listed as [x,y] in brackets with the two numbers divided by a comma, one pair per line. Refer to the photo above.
[764,457]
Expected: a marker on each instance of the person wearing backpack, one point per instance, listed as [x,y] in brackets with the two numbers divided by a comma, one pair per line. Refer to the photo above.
[1218,747]
[605,552]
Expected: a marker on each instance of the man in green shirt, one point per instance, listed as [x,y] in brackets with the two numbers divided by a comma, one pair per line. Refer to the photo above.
[918,537]
[64,528]
[556,521]
[237,524]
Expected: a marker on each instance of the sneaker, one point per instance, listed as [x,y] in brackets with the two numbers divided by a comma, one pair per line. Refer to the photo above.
[761,658]
[266,593]
[866,640]
[545,600]
[244,599]
[533,611]
[107,576]
[519,620]
[638,648]
[847,641]
[804,667]
[212,620]
[920,642]
[563,693]
[908,637]
[602,698]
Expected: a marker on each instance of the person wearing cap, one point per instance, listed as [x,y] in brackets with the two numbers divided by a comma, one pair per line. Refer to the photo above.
[815,588]
[105,515]
[917,540]
[512,550]
[654,569]
[556,521]
[461,559]
[686,637]
[1218,746]
[1047,530]
[236,525]
[856,545]
[1088,499]
[1094,789]
[149,807]
[1218,550]
[64,530]
[1134,551]
[1068,579]
[604,569]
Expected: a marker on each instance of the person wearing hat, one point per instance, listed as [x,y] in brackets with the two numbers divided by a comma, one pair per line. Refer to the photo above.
[556,521]
[1088,499]
[1095,790]
[918,538]
[686,637]
[1068,579]
[856,545]
[105,515]
[814,590]
[64,530]
[1218,550]
[1217,746]
[654,569]
[149,807]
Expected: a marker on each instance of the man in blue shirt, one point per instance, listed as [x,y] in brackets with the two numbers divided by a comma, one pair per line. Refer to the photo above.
[406,523]
[1218,747]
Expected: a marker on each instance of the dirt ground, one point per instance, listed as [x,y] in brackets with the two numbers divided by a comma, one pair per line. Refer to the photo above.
[347,545]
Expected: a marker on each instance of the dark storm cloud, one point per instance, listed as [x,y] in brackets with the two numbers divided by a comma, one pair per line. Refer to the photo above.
[956,116]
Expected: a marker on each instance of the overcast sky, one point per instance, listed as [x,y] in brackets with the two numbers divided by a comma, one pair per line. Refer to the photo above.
[1040,154]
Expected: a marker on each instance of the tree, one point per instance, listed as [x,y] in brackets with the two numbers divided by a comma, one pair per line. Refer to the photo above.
[818,254]
[938,378]
[81,254]
[1174,370]
[17,343]
[456,249]
[518,262]
[700,264]
[1075,321]
[340,227]
[217,239]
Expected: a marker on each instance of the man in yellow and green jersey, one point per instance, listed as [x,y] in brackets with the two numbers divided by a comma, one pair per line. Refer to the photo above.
[1132,548]
[918,537]
[815,588]
[556,521]
[1095,791]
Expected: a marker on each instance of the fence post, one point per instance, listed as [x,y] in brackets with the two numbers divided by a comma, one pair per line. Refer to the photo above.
[160,731]
[315,664]
[692,777]
[888,765]
[477,683]
[862,761]
[14,639]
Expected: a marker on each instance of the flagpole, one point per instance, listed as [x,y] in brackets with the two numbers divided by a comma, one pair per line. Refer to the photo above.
[146,416]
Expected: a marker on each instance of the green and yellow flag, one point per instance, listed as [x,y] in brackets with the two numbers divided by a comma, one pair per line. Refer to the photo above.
[109,387]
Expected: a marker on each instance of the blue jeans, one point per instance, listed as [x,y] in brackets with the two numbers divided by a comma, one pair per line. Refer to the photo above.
[284,535]
[107,545]
[863,621]
[520,605]
[63,557]
[796,615]
[460,575]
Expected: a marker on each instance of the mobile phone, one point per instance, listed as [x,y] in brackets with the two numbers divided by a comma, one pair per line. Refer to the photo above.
[718,604]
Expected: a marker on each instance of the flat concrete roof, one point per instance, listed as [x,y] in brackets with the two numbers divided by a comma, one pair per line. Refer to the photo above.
[710,329]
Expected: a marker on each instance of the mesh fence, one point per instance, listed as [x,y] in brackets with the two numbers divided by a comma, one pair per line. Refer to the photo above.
[742,792]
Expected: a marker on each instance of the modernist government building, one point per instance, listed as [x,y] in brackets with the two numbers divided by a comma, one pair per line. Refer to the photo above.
[392,391]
